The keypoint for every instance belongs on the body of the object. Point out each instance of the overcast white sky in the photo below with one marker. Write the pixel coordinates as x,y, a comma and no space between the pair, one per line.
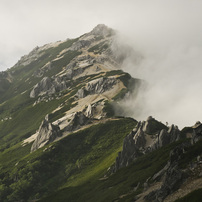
167,32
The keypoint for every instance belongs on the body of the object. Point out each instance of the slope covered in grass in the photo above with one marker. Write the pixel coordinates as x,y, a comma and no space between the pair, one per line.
74,160
118,186
22,75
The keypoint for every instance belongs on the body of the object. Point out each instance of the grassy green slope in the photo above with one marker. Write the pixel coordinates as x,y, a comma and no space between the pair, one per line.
22,75
25,119
119,185
76,159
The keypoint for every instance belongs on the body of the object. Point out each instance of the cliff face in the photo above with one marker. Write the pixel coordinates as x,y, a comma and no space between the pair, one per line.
46,134
178,172
146,137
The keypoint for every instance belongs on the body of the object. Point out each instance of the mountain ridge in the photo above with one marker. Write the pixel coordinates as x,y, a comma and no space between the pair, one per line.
61,136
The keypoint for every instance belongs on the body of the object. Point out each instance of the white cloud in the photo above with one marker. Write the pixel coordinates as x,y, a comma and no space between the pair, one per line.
172,52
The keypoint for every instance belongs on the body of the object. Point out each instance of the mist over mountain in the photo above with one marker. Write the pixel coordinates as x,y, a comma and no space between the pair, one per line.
70,123
171,69
100,101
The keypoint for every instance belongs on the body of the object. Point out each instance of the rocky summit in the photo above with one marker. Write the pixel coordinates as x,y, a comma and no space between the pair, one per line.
63,139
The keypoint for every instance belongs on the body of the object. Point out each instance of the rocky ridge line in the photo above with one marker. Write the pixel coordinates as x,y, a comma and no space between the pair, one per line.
143,139
172,176
93,63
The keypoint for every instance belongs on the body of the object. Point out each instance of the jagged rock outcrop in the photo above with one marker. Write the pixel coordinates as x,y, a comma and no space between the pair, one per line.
43,86
146,136
139,138
89,111
96,86
27,59
71,73
165,137
132,145
174,177
78,120
102,30
197,132
171,174
148,125
41,71
35,54
81,93
95,110
48,86
47,133
174,133
80,44
100,85
127,155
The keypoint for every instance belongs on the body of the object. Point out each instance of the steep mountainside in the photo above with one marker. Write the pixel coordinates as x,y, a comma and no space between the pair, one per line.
74,78
60,139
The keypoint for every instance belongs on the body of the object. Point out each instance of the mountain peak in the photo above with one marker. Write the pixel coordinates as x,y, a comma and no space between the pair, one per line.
102,29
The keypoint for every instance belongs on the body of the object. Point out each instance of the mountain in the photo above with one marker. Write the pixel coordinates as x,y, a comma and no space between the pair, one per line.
62,139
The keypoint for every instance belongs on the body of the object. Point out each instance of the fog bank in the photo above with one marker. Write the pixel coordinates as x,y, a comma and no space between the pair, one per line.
168,36
172,73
